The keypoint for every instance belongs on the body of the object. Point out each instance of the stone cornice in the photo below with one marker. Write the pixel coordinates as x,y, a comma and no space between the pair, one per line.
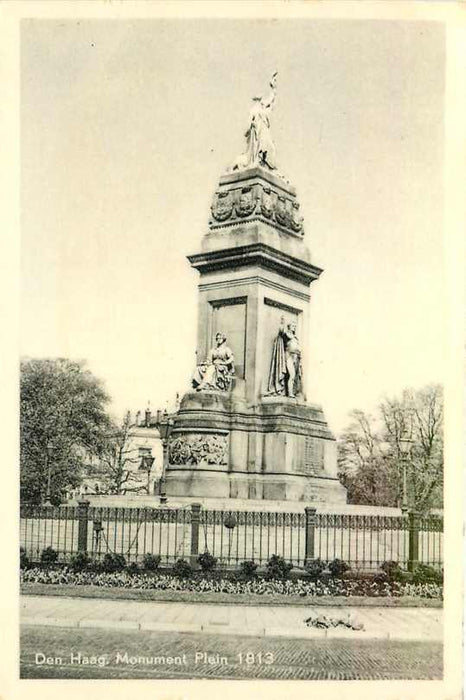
256,254
255,279
260,173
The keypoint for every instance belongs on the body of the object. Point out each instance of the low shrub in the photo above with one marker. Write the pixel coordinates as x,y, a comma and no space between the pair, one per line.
247,569
80,561
392,570
314,568
278,568
206,561
49,556
220,584
133,568
337,568
427,574
23,558
151,562
113,562
182,569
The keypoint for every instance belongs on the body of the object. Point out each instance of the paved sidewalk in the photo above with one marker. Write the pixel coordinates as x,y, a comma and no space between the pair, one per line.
423,624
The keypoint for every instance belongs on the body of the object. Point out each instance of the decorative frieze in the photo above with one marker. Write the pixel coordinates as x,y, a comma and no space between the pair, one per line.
256,201
197,449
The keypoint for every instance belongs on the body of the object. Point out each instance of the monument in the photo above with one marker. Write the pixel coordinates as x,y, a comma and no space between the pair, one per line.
245,429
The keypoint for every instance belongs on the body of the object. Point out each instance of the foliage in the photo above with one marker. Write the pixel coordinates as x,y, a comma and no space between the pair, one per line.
23,558
427,574
63,406
132,568
248,569
371,459
80,561
206,561
348,620
113,562
49,556
151,562
392,570
202,583
314,567
182,569
337,568
277,567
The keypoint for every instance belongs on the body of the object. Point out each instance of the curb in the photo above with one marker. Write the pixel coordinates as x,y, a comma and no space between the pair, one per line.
292,633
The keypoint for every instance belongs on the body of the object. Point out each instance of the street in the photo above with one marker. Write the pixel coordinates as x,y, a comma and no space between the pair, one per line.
115,653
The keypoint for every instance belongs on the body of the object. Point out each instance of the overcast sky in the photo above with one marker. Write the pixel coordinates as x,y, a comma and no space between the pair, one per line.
127,126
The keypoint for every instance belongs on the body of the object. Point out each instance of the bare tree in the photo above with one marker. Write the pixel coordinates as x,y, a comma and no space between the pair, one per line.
418,415
118,462
362,464
370,454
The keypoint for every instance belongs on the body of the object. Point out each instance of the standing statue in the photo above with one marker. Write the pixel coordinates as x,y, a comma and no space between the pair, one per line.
260,148
217,372
285,378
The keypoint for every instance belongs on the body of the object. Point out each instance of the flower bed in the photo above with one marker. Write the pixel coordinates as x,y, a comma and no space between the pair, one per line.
202,583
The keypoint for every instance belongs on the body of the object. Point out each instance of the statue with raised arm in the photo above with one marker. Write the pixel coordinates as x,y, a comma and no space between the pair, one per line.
285,377
217,372
260,149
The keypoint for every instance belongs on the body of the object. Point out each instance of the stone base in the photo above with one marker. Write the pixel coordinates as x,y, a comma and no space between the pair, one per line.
279,450
257,487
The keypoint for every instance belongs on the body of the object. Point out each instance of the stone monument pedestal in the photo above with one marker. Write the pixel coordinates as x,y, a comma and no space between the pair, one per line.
256,437
279,450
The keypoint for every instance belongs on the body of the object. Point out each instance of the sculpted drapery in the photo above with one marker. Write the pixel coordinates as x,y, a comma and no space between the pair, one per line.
260,148
285,376
217,372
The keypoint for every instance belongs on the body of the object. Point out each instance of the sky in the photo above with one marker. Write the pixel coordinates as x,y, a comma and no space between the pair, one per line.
126,127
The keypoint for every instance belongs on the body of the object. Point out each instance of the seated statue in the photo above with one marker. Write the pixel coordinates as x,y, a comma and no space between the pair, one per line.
285,377
217,372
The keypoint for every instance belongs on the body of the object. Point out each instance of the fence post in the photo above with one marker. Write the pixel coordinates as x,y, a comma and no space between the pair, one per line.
83,510
195,517
310,533
413,554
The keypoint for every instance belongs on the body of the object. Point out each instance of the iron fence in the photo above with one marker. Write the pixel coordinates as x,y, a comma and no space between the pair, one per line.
363,541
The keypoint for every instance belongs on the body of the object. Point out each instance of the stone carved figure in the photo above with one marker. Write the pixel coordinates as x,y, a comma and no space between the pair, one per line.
296,222
260,148
222,207
285,377
195,449
217,372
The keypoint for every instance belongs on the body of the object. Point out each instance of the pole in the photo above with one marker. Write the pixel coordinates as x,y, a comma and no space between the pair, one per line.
49,476
163,493
404,504
195,517
83,510
310,533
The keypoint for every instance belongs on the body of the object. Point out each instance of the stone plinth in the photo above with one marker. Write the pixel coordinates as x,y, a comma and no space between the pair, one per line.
279,450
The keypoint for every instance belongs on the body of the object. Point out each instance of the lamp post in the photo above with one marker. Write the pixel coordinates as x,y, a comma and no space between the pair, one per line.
146,463
49,450
165,441
405,448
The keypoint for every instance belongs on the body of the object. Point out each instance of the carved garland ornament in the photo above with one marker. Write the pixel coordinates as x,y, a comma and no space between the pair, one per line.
198,449
257,200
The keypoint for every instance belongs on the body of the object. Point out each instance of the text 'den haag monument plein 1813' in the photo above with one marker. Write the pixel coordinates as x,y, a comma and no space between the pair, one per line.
245,429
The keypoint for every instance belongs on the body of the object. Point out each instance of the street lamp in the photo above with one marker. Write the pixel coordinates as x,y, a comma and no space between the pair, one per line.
165,441
49,450
405,448
146,463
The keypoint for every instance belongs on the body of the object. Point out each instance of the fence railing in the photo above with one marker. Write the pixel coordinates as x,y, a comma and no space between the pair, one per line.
363,541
